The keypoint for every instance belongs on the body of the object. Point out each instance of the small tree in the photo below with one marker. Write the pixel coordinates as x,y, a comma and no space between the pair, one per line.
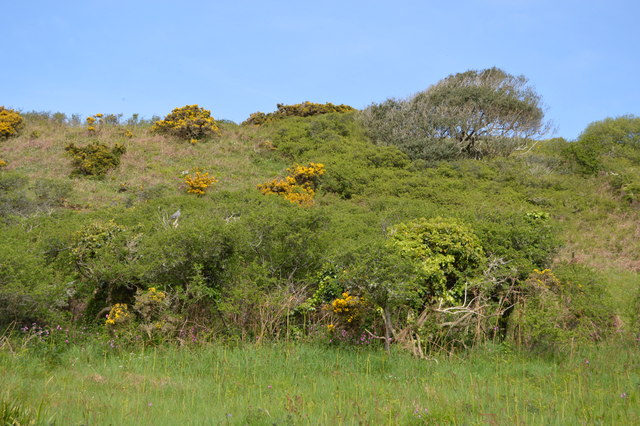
470,114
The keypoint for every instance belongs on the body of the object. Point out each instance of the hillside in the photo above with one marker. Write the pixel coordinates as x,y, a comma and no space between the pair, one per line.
303,235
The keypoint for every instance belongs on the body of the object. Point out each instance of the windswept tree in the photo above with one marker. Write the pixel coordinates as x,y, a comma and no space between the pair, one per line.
470,114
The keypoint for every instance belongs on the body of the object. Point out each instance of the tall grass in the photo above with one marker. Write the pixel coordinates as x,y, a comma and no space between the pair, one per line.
308,383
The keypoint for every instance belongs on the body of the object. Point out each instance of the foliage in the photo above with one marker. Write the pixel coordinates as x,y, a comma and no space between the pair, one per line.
557,310
449,253
603,141
11,122
305,109
471,114
199,182
94,159
299,186
188,122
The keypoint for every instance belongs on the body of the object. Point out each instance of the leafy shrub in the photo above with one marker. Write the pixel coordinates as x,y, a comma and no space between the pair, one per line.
11,122
199,182
299,186
556,310
449,253
188,122
305,109
95,159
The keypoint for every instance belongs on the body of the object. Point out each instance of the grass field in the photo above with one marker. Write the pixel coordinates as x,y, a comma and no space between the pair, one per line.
314,384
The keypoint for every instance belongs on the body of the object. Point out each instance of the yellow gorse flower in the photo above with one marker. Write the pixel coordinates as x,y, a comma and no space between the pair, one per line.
119,314
299,186
199,182
10,122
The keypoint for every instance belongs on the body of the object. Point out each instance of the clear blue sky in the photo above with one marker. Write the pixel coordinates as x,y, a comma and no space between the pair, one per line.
238,57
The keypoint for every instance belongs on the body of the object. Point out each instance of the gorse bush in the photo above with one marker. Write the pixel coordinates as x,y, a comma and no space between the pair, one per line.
11,122
198,182
299,186
95,159
188,122
305,109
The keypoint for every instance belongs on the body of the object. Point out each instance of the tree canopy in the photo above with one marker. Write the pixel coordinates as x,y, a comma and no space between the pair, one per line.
470,114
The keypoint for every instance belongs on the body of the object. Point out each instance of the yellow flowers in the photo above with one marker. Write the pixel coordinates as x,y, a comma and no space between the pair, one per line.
349,308
189,122
2,163
299,186
305,109
199,182
156,295
93,121
11,122
118,315
544,278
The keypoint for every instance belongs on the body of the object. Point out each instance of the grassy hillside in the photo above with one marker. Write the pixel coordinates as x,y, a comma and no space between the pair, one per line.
524,260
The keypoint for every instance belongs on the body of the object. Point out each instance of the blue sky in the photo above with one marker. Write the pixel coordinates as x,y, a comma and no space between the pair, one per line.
235,58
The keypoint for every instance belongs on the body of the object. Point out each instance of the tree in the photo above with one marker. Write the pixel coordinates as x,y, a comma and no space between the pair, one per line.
470,114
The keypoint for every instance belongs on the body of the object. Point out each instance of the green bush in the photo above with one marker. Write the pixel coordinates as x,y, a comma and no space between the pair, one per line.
557,310
449,254
95,159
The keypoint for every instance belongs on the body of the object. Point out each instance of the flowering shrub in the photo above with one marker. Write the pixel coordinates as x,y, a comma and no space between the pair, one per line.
2,163
349,309
299,186
154,309
118,315
94,122
95,159
305,109
199,182
188,122
11,122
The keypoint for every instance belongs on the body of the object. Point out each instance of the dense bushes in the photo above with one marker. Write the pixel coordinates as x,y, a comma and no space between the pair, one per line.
556,311
305,109
189,122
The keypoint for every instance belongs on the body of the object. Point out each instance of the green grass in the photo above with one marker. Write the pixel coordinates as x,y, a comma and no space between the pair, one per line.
312,384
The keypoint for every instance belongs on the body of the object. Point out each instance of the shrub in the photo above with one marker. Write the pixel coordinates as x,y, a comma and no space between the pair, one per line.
188,122
11,122
305,109
558,308
2,163
199,182
299,186
449,253
95,159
